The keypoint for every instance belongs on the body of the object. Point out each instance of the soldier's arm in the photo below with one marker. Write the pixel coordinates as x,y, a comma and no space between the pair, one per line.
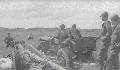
78,33
103,33
109,29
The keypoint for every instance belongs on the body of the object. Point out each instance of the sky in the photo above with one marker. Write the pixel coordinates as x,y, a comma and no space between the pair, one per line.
51,13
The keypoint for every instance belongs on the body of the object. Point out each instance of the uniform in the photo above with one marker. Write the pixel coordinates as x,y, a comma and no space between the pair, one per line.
113,58
106,33
9,41
63,37
75,37
75,34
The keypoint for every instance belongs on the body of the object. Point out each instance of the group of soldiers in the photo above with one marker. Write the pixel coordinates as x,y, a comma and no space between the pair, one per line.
64,35
109,55
110,36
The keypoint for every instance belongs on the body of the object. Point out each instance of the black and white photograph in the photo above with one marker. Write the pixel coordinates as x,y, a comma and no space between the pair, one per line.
59,34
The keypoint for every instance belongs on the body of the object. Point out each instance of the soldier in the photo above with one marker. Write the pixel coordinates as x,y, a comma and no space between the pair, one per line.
113,58
75,37
10,45
75,34
9,41
62,36
105,36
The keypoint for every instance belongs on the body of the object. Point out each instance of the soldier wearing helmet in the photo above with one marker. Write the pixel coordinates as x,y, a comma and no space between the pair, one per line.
9,41
114,50
75,37
62,36
105,36
64,43
75,34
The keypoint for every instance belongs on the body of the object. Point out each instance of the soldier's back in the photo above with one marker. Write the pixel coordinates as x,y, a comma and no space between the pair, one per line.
75,34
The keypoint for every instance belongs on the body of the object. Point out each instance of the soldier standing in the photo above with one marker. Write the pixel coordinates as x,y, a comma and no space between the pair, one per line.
113,57
105,36
9,41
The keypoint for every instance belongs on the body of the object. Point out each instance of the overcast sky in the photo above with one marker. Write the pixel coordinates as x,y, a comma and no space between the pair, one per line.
52,13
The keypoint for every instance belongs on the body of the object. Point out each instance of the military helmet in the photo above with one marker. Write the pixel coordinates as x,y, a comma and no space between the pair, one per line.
104,14
115,18
74,26
62,26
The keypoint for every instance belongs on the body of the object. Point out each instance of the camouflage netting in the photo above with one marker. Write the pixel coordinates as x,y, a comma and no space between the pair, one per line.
37,60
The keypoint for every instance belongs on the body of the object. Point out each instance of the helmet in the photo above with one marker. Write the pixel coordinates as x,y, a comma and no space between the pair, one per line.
74,26
62,26
104,14
115,18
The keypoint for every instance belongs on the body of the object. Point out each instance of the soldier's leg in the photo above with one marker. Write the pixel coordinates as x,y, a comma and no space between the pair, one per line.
113,62
105,54
103,59
101,65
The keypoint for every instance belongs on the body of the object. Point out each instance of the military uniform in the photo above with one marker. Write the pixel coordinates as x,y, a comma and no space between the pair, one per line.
113,58
63,37
75,34
106,33
9,41
75,37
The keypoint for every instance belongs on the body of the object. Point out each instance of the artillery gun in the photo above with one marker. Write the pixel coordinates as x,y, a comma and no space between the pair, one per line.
67,57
